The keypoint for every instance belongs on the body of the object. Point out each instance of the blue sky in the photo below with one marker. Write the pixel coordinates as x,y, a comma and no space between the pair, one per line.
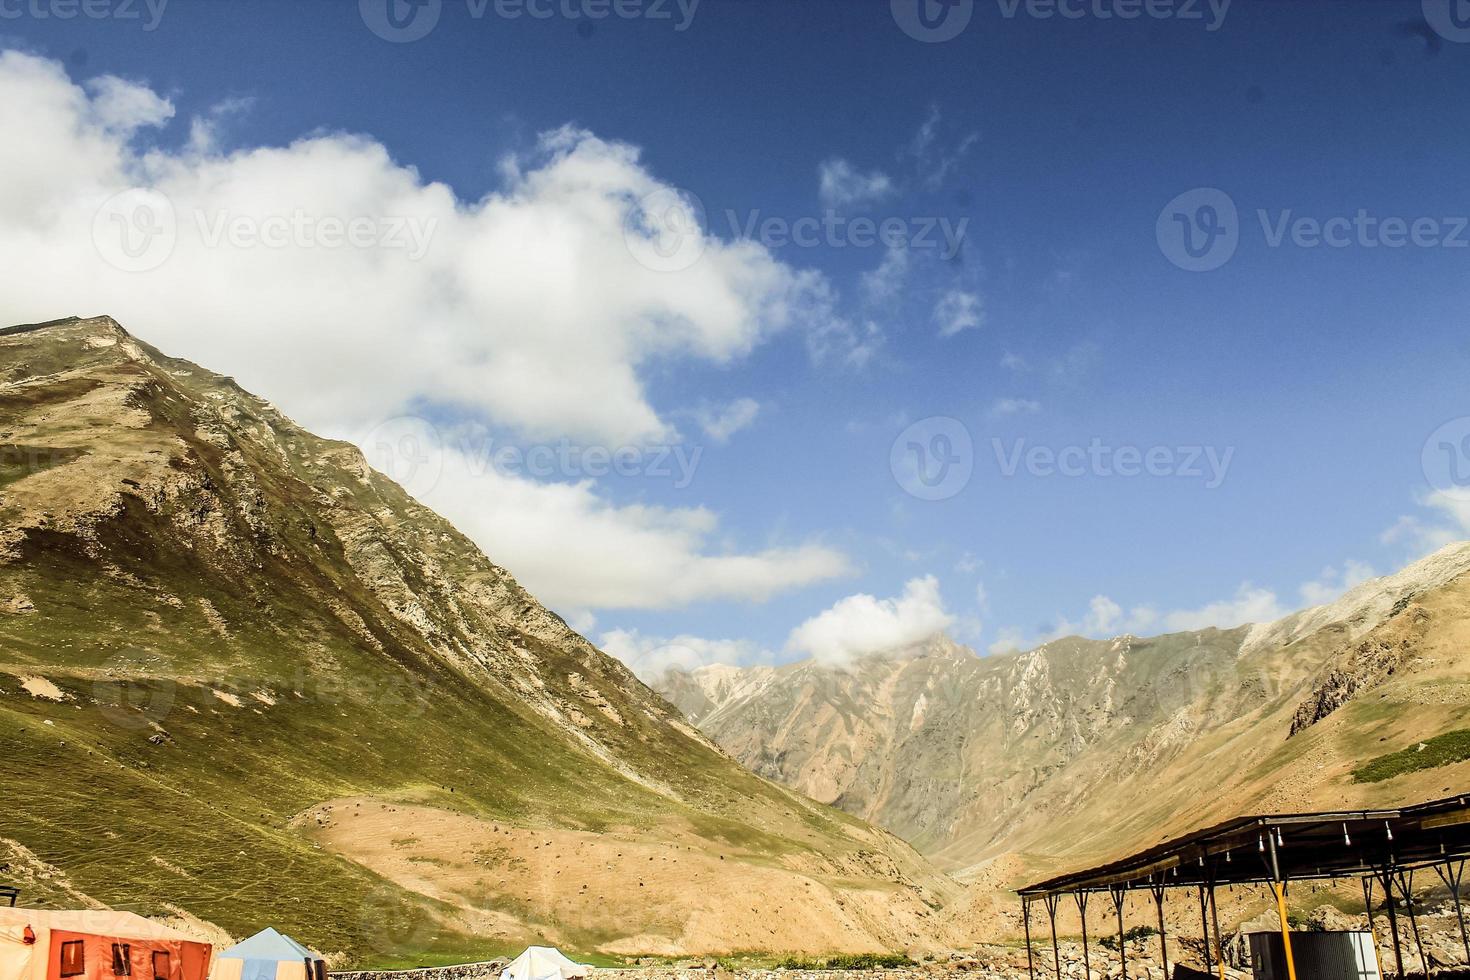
1054,144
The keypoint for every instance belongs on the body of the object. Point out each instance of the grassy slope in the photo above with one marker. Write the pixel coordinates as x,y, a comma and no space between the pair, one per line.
225,565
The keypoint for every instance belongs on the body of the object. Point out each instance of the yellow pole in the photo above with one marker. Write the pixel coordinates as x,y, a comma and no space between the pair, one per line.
1215,919
1280,889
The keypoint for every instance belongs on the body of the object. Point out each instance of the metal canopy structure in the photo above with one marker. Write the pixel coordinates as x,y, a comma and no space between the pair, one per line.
1380,847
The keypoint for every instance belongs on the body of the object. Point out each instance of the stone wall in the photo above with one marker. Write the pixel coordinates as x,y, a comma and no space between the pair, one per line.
460,971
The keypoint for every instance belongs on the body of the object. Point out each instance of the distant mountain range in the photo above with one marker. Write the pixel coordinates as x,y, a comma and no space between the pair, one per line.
245,680
1084,749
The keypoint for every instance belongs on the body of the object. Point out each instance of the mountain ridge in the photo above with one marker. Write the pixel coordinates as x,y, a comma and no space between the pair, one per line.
1001,748
222,638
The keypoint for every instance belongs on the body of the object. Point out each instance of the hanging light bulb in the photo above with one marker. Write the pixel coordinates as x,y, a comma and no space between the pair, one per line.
1389,829
1227,857
1261,843
1346,840
1279,841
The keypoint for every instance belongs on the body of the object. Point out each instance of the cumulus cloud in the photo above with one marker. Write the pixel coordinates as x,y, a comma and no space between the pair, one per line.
571,547
535,310
1447,520
863,625
528,306
883,283
123,107
1007,640
723,421
958,310
1250,604
651,657
840,184
1333,582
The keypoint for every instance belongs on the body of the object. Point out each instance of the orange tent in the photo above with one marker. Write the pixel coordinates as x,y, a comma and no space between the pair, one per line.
96,944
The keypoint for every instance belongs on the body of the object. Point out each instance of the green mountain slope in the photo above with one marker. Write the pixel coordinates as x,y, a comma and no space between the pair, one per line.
223,640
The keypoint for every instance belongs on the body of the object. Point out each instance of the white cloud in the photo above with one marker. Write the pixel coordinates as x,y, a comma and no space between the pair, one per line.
651,657
1013,362
1448,521
958,310
722,422
528,307
573,549
1106,618
1333,582
862,625
1007,640
840,184
883,283
1250,604
1015,406
123,107
527,311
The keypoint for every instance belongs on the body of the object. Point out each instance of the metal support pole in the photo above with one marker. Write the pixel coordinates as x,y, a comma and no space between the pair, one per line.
1204,930
1026,920
1368,910
1215,920
1081,899
1453,877
1158,891
1386,878
1278,885
1406,886
1119,894
1051,913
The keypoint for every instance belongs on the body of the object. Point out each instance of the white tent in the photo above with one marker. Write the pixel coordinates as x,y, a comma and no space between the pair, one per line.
543,963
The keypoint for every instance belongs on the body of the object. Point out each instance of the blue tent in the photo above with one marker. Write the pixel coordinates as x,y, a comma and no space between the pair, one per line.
268,955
